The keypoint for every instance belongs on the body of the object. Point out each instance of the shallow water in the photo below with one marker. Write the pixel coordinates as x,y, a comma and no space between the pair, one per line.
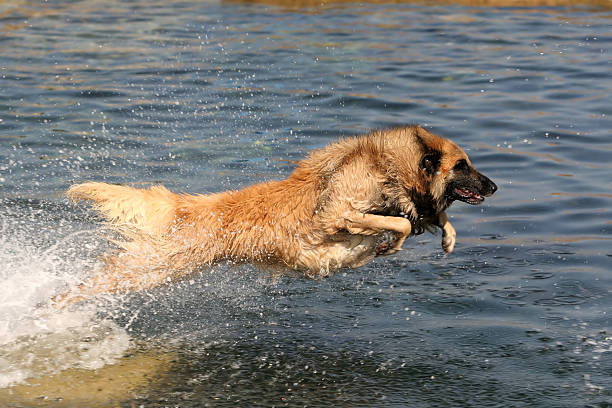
209,96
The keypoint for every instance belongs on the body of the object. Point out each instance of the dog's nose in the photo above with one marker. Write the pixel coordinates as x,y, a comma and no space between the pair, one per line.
488,187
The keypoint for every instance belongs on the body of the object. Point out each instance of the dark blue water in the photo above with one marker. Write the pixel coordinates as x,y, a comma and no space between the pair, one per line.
204,97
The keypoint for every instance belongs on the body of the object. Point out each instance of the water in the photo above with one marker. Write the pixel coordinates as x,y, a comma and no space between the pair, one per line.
207,96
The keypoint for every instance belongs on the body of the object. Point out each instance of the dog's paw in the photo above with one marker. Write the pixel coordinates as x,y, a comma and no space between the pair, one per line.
386,244
448,241
383,248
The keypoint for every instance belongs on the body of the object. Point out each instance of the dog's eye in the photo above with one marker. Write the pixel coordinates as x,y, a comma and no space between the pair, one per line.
461,165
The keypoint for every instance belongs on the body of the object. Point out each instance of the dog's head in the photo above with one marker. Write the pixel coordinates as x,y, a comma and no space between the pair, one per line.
449,173
427,172
466,184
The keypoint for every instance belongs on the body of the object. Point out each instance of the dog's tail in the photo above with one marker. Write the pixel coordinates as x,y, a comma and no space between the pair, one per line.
147,210
142,218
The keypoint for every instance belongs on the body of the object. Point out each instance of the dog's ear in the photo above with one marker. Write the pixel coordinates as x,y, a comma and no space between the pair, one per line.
430,162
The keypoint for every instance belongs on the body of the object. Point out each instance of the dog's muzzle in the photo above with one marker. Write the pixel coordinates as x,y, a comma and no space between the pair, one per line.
471,188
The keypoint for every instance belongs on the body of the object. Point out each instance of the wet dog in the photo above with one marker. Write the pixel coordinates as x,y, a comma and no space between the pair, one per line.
341,207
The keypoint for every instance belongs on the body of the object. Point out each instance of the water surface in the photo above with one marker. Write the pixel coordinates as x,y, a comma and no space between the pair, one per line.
207,96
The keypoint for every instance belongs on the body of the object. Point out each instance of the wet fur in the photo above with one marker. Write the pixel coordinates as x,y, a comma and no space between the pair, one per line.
342,206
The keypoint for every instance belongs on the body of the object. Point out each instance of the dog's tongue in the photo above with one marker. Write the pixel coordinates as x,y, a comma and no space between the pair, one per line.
464,192
468,194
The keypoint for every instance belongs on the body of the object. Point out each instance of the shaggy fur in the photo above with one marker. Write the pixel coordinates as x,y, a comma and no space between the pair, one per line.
342,206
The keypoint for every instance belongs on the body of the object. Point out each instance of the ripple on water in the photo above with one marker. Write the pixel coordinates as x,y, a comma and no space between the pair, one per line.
447,306
99,93
538,275
537,251
515,296
561,300
487,268
569,293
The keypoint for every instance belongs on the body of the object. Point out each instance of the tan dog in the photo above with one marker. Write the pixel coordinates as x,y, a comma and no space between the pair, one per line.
341,207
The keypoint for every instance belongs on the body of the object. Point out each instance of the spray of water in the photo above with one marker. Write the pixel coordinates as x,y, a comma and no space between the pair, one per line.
39,259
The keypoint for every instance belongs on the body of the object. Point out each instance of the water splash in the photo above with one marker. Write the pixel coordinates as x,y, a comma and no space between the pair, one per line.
40,259
56,341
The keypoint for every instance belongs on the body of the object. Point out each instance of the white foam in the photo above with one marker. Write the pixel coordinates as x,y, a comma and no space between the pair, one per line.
59,340
38,261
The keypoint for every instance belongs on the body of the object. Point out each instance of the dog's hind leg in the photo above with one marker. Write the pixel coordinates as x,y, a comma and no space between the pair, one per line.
121,273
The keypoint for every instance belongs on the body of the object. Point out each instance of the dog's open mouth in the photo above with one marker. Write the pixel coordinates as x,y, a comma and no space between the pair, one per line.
467,195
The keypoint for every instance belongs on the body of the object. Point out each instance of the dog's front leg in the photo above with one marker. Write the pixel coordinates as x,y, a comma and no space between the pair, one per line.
449,234
372,224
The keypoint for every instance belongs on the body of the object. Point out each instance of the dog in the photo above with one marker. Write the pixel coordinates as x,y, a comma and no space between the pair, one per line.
341,207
